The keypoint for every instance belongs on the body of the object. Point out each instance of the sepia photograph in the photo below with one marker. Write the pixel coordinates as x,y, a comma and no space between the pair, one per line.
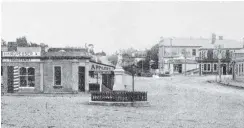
122,64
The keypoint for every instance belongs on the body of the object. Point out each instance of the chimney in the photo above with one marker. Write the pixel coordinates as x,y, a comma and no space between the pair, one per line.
221,37
213,38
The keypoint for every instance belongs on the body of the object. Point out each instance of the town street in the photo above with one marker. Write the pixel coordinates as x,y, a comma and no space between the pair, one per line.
178,101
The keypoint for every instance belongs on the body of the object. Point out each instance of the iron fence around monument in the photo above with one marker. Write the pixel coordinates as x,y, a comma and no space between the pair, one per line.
119,96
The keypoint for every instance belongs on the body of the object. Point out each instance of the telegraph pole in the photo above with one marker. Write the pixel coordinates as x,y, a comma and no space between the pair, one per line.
219,61
171,58
185,65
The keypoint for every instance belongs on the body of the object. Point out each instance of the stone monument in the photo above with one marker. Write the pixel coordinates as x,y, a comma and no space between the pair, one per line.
118,74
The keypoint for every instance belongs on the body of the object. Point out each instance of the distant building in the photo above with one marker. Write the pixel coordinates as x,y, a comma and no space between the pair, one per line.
208,56
238,65
131,57
179,55
175,52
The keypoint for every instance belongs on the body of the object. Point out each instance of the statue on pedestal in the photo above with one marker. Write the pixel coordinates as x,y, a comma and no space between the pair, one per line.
119,61
119,72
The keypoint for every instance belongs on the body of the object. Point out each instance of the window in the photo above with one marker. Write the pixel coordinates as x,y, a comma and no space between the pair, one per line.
215,67
27,77
242,68
91,74
194,52
205,67
1,70
209,67
239,68
57,75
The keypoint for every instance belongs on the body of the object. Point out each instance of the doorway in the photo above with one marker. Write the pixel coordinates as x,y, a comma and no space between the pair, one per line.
10,83
81,78
224,69
180,68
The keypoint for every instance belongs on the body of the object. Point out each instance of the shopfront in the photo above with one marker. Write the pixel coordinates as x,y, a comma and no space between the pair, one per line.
53,72
21,71
101,76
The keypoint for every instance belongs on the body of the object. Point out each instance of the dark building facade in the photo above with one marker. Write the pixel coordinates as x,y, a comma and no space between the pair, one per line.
238,65
208,61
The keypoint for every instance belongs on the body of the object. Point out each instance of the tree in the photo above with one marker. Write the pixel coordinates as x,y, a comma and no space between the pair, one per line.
22,42
3,42
113,59
34,44
154,56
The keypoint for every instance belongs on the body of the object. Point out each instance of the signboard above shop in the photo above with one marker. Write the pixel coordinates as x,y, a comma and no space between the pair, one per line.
99,68
21,54
21,60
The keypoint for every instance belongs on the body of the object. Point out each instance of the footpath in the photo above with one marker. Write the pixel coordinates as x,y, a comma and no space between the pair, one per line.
233,83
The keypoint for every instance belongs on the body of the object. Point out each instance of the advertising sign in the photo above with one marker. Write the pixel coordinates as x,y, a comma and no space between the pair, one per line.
21,54
21,60
101,68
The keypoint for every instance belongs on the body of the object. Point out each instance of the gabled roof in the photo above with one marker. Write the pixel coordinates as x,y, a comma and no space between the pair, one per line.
67,49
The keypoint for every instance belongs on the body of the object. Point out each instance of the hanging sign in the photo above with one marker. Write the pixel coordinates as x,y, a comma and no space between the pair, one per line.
21,54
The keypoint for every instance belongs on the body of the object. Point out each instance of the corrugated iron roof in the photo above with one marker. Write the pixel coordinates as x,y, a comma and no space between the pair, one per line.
66,54
201,42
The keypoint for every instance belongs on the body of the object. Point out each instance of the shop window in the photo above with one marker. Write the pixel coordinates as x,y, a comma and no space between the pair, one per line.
27,77
194,52
57,75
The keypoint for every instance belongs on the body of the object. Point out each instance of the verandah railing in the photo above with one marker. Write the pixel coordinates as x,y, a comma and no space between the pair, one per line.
119,96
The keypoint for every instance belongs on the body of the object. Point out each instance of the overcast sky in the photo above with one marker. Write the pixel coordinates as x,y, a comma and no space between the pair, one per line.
114,25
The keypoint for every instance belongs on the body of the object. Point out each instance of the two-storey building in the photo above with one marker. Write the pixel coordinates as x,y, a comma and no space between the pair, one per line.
177,55
209,56
238,65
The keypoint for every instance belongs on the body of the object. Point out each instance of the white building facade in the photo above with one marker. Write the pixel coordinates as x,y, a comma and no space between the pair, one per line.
178,55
